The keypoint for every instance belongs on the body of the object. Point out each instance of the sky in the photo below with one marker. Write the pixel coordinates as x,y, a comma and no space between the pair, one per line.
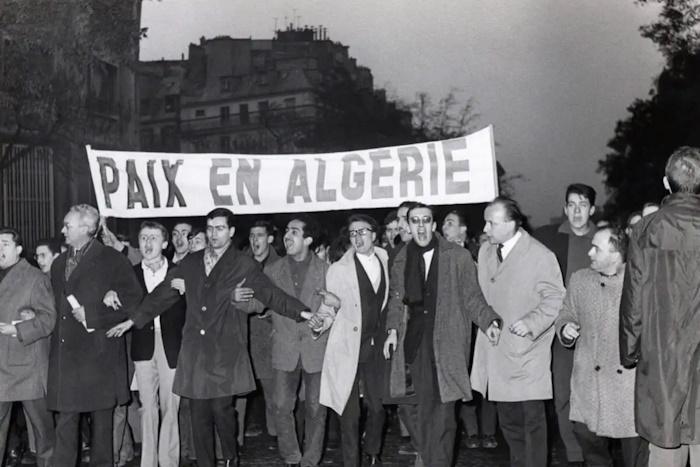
551,76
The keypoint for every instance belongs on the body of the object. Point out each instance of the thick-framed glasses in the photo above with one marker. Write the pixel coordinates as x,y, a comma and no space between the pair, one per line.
362,232
425,220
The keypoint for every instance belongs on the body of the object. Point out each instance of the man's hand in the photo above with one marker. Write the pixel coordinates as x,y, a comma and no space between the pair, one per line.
329,299
79,314
120,329
493,333
27,315
316,322
265,313
7,329
392,340
519,328
241,294
570,331
179,285
112,299
306,315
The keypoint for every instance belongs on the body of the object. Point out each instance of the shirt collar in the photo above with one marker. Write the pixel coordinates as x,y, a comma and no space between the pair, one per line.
510,244
164,265
565,228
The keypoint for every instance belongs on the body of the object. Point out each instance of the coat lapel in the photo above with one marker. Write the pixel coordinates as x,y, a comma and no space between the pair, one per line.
284,277
517,252
384,260
314,277
90,257
13,277
350,271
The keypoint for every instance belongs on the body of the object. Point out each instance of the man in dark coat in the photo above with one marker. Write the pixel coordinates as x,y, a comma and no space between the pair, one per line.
27,318
660,317
88,371
214,364
570,243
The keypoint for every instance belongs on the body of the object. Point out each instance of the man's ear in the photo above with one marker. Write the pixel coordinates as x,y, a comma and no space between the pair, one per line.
667,185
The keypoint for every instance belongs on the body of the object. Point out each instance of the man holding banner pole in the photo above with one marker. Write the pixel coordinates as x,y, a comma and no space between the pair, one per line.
214,364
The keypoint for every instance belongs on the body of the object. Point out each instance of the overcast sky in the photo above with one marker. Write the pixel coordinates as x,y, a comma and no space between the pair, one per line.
552,76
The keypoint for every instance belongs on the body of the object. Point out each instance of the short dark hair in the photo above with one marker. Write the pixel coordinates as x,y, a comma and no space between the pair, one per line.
407,204
683,170
363,218
222,212
267,225
512,209
650,204
421,205
391,217
582,190
618,239
53,244
339,246
157,226
311,227
196,231
460,216
16,237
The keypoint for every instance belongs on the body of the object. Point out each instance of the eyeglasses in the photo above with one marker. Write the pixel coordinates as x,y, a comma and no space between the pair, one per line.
425,220
362,232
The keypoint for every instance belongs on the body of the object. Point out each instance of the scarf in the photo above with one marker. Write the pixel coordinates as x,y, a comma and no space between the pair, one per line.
414,274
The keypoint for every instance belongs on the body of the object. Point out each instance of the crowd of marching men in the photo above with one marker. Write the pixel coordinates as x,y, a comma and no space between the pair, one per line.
599,318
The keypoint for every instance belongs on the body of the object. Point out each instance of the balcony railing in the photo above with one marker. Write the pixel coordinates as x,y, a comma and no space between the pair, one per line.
271,117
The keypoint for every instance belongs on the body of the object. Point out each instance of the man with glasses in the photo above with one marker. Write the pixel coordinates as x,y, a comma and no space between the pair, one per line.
435,282
360,279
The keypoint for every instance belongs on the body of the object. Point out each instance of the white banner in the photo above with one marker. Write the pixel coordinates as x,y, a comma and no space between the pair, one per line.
149,184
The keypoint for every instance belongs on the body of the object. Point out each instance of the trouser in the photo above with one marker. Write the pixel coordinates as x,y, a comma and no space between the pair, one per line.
471,420
40,420
372,380
562,366
286,385
213,414
186,435
408,414
674,457
268,395
437,420
67,438
524,426
159,409
596,449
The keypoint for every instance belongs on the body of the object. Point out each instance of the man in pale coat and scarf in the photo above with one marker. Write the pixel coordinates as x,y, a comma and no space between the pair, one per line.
435,282
602,390
522,281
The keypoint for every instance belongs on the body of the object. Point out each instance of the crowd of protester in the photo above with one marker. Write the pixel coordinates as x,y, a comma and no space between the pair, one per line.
188,345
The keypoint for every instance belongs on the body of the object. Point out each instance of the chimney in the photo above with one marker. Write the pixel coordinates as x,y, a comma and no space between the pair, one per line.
201,40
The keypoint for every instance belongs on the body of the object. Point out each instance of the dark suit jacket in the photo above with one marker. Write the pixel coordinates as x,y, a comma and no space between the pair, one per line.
171,323
88,371
558,242
214,360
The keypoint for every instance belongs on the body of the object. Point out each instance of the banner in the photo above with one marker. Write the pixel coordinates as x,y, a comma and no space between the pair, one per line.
149,184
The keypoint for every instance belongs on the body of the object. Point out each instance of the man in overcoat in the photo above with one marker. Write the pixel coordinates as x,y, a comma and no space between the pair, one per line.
27,318
88,371
354,352
522,281
660,317
434,281
602,390
214,363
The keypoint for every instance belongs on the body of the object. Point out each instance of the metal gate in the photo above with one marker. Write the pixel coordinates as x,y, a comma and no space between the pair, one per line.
27,194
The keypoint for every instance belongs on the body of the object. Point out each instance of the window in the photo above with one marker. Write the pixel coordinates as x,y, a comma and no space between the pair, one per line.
200,113
171,103
224,143
104,87
243,112
225,114
225,84
168,139
263,108
146,139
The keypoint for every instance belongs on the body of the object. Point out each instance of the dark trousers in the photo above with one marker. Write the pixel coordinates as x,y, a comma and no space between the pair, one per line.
68,439
408,413
41,421
562,367
286,386
596,449
487,414
372,380
524,426
437,420
210,414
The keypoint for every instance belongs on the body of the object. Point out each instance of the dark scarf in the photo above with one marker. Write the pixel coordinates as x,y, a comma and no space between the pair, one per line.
414,274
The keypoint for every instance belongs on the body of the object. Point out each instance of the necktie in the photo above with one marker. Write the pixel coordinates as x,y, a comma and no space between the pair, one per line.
499,253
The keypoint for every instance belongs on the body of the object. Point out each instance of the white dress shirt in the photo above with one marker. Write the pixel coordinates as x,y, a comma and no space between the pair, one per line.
372,267
152,279
510,244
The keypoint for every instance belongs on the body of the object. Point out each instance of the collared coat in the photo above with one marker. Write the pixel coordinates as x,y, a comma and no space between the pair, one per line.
88,371
214,359
660,321
602,390
344,339
527,285
293,340
261,336
459,304
24,359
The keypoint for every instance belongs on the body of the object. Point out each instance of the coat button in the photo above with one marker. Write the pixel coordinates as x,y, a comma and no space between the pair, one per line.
62,341
64,317
204,308
355,328
493,280
619,372
425,312
597,368
202,332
